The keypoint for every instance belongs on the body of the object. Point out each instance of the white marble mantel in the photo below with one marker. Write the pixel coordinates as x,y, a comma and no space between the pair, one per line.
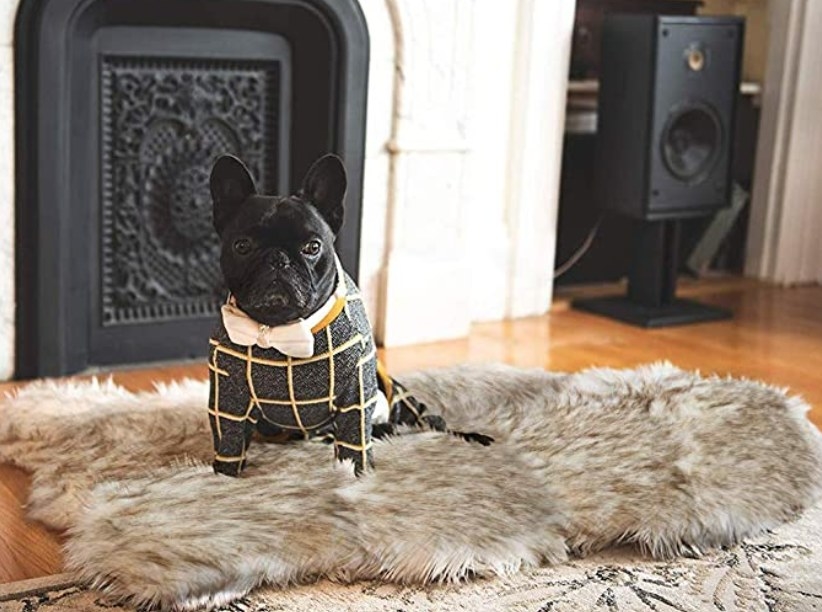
463,161
465,121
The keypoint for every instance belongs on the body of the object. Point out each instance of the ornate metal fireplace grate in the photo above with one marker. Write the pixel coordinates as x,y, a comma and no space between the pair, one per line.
163,124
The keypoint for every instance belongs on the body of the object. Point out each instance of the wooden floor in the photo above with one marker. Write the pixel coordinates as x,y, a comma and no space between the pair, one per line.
776,336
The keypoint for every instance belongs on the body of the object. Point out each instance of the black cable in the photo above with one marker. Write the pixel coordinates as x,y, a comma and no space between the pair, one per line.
580,252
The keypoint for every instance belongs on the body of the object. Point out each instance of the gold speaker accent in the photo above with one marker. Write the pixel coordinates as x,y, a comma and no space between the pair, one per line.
695,58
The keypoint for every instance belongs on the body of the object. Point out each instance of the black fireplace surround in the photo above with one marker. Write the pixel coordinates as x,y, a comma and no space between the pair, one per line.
121,108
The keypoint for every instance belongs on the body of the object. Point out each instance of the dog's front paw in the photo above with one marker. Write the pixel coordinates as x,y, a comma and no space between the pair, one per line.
228,468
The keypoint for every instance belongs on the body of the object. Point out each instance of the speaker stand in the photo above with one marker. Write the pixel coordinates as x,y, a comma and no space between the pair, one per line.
651,299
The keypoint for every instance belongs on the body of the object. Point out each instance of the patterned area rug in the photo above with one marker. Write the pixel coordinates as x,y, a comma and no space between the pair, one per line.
777,572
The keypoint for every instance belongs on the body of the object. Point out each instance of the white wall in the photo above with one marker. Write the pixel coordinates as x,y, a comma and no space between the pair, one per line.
7,303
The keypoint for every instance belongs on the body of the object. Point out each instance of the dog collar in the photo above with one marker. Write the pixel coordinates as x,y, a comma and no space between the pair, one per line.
295,339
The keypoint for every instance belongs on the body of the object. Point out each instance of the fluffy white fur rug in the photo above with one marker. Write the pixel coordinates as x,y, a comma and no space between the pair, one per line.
662,458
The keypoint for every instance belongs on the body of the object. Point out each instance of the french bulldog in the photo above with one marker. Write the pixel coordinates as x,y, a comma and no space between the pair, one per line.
293,351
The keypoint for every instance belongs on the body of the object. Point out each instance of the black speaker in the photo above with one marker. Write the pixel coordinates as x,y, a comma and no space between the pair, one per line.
668,88
668,91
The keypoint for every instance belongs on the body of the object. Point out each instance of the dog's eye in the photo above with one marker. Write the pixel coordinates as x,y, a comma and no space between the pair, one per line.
242,246
311,247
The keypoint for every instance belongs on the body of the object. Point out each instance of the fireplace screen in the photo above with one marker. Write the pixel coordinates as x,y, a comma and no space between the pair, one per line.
122,108
163,125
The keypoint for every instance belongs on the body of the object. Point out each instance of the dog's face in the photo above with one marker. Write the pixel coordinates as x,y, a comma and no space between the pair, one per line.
277,253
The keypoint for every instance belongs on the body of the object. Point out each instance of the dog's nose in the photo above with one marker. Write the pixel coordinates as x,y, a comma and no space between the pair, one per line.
279,259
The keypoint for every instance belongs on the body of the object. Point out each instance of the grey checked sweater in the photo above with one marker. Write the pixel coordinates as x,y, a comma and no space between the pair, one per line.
333,391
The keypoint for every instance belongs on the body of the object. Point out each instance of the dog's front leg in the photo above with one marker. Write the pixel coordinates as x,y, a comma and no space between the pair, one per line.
230,452
232,414
355,405
352,437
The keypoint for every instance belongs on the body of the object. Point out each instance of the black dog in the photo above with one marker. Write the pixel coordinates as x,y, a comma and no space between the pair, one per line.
294,350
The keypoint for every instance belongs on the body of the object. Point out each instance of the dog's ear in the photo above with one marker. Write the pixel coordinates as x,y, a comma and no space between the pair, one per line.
324,186
231,184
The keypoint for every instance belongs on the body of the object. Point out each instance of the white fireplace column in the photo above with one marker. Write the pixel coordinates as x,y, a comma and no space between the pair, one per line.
470,162
426,278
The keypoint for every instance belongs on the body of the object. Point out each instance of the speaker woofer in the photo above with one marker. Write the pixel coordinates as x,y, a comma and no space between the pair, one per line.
691,142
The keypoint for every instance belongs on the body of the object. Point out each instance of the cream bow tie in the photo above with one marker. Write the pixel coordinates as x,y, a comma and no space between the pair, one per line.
294,339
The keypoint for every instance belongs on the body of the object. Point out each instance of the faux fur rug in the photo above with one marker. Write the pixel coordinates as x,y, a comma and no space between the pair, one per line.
780,571
655,456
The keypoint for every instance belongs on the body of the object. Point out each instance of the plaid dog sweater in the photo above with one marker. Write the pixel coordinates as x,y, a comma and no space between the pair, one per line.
332,392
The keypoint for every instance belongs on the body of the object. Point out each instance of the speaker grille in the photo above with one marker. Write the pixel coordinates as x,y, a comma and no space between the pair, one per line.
691,142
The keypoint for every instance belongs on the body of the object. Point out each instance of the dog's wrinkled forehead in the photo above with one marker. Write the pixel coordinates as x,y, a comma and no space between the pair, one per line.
277,217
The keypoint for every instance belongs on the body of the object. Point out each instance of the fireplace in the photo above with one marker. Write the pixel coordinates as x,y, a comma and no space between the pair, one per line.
457,191
121,108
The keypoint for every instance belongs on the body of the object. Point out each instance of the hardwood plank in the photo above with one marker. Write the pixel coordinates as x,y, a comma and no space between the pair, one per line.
27,548
775,335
